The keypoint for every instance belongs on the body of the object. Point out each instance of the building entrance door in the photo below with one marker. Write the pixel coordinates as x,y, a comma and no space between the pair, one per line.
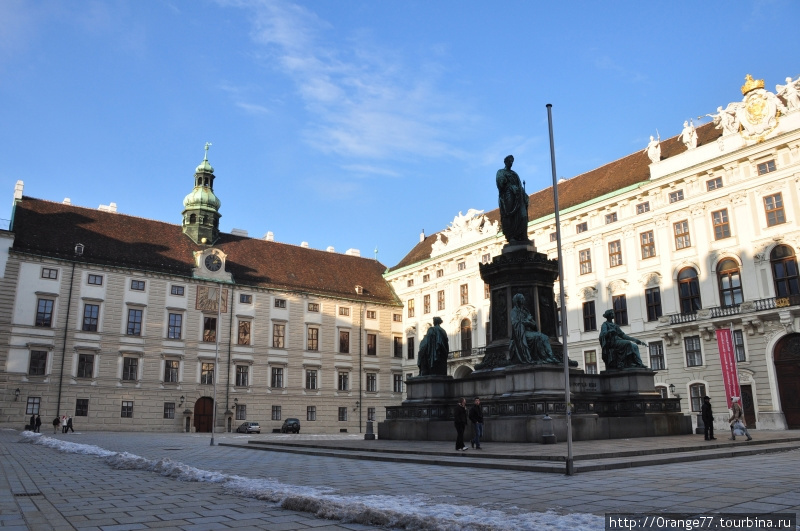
748,406
203,414
787,369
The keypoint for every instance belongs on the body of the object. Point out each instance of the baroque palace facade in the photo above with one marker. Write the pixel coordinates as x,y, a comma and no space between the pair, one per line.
696,233
126,323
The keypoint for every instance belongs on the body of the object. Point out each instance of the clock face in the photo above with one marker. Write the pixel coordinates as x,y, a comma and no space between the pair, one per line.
213,262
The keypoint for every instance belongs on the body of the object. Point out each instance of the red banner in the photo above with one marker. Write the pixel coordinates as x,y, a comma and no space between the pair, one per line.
727,359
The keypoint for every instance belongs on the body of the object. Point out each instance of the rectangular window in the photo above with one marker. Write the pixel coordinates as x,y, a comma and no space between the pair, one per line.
426,277
242,376
681,229
553,236
313,307
344,381
344,341
440,300
44,313
462,266
96,280
372,314
674,197
127,410
241,412
439,273
773,206
398,383
280,303
371,414
585,259
278,335
615,253
397,318
276,412
175,326
738,345
426,304
486,258
311,413
85,365
313,339
277,378
342,414
244,332
245,298
210,329
176,290
611,218
137,285
397,346
694,357
656,355
766,167
410,348
581,227
134,322
82,407
486,291
33,405
410,306
653,299
207,373
641,208
590,361
648,243
714,184
620,305
169,410
410,283
38,363
589,317
696,394
345,311
90,315
49,273
311,379
372,344
464,291
372,382
130,369
171,371
722,227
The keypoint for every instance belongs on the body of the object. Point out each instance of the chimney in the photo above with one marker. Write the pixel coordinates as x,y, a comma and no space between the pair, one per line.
67,201
422,235
304,245
330,249
353,252
270,237
239,232
18,190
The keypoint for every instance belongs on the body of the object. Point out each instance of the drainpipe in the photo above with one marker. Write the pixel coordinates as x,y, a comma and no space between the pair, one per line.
230,341
78,251
360,366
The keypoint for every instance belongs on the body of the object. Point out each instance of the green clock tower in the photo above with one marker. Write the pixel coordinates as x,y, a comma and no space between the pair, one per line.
201,207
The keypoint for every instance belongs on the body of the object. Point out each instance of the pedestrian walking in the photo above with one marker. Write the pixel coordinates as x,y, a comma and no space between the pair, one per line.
476,417
69,426
737,419
38,424
460,417
63,424
56,422
708,419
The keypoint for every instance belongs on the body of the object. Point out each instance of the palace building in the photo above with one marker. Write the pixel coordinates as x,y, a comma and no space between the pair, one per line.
695,233
126,323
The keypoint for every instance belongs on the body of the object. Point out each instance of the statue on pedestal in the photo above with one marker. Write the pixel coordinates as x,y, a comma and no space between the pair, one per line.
653,149
513,204
688,136
790,93
433,351
620,351
528,345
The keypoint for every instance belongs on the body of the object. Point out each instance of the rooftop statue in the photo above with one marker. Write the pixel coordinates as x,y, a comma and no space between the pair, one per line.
790,93
653,149
726,118
513,204
528,345
433,351
689,135
620,351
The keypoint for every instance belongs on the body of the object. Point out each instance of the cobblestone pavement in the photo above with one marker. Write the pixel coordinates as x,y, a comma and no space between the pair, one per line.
83,492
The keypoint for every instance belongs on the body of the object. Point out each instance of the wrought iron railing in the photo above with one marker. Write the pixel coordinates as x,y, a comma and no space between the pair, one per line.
456,354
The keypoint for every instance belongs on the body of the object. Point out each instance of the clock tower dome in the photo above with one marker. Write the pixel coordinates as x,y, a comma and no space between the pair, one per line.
201,207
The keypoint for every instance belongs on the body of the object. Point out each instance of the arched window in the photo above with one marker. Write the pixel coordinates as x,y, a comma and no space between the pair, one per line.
192,218
784,271
689,290
730,283
466,337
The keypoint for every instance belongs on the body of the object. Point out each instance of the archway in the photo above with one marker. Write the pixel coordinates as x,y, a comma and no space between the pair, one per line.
203,414
462,372
787,370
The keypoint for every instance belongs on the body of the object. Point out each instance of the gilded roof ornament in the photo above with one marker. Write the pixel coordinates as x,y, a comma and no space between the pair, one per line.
751,84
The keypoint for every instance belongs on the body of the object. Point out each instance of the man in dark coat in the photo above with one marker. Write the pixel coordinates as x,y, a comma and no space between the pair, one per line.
32,425
476,417
38,424
708,418
460,419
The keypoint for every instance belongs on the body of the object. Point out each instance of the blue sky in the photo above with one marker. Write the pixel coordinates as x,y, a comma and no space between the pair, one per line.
356,124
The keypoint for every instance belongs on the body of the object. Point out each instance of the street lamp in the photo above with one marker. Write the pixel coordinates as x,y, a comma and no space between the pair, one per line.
16,394
183,398
672,389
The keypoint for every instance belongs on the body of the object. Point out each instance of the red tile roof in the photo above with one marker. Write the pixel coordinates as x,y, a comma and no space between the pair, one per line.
53,229
629,170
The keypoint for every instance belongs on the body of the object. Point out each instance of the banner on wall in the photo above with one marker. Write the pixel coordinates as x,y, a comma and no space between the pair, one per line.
727,359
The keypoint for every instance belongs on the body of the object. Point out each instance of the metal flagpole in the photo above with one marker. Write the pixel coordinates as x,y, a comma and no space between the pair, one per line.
562,305
216,362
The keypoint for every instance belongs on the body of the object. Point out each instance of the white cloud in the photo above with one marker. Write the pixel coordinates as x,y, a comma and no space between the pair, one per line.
252,108
366,169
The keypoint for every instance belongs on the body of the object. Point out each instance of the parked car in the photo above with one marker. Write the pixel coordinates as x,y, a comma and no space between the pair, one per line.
290,425
249,427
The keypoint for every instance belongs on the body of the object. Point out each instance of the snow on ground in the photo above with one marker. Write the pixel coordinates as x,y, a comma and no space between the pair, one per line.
400,512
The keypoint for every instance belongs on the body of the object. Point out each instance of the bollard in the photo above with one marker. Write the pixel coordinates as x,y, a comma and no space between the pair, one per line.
369,436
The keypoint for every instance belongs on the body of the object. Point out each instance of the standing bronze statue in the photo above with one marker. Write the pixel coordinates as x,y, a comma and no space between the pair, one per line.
513,204
620,351
528,345
433,351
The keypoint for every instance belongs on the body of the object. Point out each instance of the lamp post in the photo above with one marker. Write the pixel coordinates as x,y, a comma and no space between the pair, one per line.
16,394
216,363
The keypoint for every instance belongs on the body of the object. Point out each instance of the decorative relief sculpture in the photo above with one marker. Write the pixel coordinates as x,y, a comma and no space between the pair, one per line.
513,201
620,351
726,119
689,135
790,93
528,345
465,228
758,112
433,351
653,149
